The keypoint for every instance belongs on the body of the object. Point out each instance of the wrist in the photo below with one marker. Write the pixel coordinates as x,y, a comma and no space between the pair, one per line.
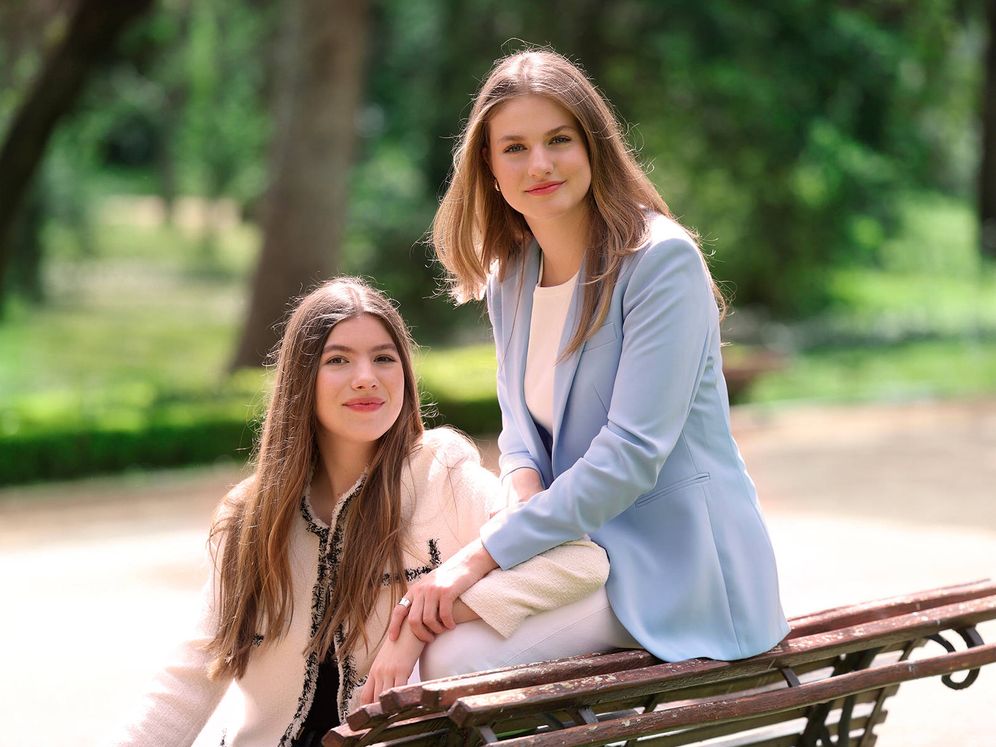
524,483
479,561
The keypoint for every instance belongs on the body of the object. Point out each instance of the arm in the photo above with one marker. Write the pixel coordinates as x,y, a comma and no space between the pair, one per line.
669,319
503,599
395,661
522,485
181,698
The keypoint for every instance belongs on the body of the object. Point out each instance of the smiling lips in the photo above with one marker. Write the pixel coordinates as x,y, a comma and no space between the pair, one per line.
365,404
544,189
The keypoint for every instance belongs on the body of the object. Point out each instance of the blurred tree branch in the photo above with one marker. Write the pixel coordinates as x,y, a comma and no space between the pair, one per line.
93,29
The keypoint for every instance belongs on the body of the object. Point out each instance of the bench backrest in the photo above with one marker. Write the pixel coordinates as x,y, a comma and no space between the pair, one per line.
833,673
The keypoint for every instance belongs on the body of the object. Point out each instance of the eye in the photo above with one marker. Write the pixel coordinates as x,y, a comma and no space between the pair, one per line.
559,139
514,148
335,360
385,358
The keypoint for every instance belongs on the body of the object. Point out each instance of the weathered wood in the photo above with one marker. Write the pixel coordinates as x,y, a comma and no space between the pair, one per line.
426,725
864,718
645,702
735,708
837,617
440,694
477,709
443,693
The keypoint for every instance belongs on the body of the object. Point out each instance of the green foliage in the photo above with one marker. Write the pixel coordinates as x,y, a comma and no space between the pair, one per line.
458,387
815,117
784,132
222,127
930,283
67,434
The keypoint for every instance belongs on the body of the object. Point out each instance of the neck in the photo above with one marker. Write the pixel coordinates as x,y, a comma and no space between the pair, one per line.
563,241
340,465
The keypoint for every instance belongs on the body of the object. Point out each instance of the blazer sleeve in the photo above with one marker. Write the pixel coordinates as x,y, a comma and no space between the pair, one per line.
514,453
669,320
181,697
559,576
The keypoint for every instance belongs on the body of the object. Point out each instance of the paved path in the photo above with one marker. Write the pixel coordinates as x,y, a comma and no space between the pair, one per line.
99,575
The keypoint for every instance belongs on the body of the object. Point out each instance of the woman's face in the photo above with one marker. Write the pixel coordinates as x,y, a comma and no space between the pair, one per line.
360,386
537,153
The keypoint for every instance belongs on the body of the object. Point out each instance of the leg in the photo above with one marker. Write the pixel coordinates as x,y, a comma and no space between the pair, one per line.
586,626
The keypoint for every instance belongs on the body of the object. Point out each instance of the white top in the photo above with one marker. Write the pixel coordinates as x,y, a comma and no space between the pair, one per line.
546,326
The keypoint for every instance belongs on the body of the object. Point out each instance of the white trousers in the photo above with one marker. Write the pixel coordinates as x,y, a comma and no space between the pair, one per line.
584,627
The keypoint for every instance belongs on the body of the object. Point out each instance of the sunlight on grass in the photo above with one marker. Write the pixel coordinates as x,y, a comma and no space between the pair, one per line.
462,373
932,369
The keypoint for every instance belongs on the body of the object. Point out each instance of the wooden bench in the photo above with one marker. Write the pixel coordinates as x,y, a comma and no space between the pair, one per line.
825,684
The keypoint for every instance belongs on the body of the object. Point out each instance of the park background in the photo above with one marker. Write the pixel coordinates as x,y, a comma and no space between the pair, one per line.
173,173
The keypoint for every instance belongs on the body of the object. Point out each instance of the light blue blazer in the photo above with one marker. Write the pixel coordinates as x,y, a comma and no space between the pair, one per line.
642,457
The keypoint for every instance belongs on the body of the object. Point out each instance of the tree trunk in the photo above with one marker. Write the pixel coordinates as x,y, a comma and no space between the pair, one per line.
93,30
987,176
319,80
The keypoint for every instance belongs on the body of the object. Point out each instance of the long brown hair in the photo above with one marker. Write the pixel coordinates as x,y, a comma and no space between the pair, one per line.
475,229
254,524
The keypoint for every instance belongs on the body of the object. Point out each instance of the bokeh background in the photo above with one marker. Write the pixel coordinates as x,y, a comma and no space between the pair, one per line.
173,173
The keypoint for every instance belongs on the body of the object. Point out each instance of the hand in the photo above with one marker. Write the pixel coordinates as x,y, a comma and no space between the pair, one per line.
392,666
432,599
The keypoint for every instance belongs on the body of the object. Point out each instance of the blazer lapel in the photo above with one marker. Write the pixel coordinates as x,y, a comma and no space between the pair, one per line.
563,376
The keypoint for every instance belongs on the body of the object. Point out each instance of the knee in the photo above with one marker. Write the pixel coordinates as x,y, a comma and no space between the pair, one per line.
459,651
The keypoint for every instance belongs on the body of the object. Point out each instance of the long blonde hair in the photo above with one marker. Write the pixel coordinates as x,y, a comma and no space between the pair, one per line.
254,524
475,230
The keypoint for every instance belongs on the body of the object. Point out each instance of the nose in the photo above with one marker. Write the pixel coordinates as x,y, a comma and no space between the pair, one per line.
364,376
540,163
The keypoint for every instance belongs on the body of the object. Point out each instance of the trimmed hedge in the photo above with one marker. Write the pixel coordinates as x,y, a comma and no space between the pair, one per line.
60,435
59,455
175,430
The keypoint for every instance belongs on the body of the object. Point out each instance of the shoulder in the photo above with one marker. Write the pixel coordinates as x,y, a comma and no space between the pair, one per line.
445,471
234,501
669,250
442,448
667,240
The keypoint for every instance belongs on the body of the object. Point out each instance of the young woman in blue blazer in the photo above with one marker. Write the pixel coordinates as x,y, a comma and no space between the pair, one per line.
615,415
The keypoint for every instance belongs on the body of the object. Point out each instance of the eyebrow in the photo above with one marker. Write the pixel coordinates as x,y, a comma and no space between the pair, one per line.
346,349
548,133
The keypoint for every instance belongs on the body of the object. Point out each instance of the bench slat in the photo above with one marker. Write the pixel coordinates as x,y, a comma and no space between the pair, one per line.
736,708
478,709
441,694
622,685
819,622
860,720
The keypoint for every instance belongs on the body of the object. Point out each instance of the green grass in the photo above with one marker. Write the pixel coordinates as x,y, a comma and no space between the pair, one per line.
918,370
460,373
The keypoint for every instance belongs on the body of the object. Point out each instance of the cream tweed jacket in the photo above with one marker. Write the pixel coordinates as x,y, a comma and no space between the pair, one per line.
447,495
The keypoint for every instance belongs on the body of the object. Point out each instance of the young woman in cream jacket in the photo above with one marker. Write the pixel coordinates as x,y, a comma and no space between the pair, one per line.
351,502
